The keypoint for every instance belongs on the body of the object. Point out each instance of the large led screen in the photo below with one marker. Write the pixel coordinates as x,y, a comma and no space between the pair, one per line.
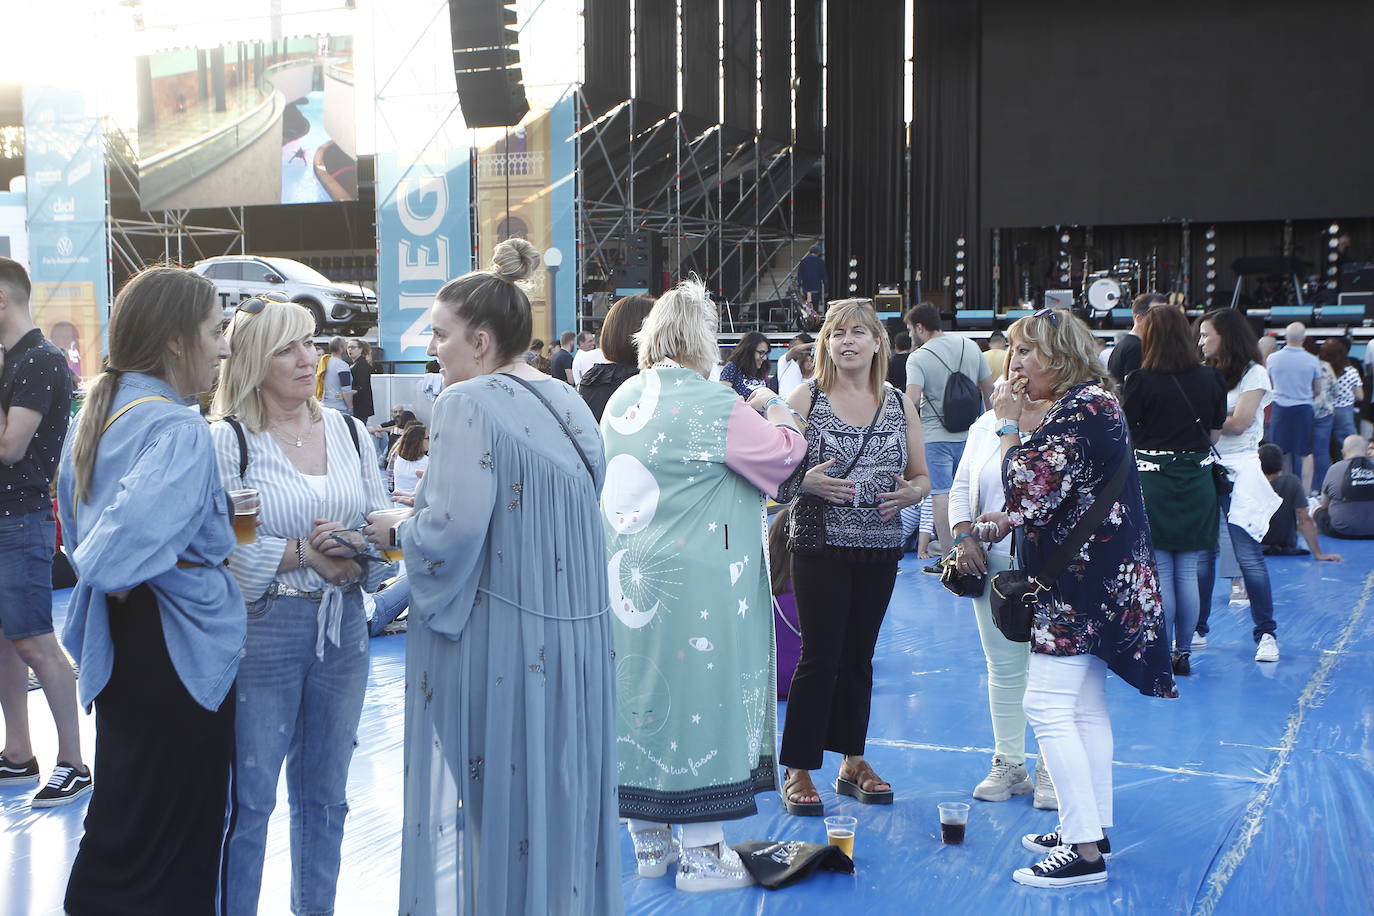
249,123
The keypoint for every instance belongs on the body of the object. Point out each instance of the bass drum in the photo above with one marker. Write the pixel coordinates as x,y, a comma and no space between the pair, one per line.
1104,294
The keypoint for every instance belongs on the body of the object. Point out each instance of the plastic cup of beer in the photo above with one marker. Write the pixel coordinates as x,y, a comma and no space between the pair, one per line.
953,822
245,515
839,831
391,518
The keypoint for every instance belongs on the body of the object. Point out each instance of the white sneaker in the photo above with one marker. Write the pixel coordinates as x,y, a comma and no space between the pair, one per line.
1238,594
1003,781
1268,649
1199,641
711,868
1045,797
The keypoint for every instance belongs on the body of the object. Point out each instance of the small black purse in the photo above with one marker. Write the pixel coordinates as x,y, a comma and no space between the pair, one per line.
1015,596
806,522
964,585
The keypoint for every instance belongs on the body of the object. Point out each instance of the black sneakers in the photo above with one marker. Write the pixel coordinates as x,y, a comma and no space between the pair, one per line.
13,772
1062,868
1045,843
65,785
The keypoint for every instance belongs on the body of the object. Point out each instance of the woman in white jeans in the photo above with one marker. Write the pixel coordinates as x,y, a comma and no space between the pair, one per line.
977,489
1104,610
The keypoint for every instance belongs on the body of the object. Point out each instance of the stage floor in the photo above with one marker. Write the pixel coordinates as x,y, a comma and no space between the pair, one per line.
1254,791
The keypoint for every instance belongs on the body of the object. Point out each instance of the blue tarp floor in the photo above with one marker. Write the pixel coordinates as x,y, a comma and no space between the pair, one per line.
1254,792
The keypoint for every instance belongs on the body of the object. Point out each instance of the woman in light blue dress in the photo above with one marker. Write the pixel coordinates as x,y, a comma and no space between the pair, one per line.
510,712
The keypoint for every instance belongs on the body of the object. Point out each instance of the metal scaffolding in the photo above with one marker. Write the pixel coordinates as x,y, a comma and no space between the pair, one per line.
723,201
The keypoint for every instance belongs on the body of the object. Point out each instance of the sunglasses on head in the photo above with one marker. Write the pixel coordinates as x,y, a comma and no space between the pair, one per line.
1049,313
255,304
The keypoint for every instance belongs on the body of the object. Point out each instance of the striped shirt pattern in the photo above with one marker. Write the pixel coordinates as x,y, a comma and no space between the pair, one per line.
290,505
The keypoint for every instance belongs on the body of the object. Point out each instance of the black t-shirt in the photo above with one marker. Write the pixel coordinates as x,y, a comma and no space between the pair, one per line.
362,389
1283,524
1125,358
562,365
37,377
1161,417
896,370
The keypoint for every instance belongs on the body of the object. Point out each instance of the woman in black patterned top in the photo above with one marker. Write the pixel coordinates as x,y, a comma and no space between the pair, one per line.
866,477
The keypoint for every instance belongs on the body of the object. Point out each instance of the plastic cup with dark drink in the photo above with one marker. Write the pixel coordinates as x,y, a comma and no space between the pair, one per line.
953,822
246,505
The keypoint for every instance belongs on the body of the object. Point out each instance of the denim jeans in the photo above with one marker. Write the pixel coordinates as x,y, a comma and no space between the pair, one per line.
390,602
1343,426
1322,430
1178,583
1250,558
1066,703
295,707
26,553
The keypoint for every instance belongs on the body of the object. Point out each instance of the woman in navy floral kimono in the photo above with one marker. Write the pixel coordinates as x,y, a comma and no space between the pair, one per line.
1105,610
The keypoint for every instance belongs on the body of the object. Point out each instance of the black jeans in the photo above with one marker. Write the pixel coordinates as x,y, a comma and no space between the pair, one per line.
840,607
155,828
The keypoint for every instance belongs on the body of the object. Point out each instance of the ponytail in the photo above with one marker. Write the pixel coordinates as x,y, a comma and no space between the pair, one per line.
90,424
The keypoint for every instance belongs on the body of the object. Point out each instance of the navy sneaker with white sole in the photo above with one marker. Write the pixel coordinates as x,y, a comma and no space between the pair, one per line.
12,772
1062,868
1046,843
65,785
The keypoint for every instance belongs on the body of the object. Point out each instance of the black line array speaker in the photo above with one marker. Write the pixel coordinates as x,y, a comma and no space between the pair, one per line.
486,62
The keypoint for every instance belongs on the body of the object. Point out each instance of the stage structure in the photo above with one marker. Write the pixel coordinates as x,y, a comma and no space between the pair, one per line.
729,193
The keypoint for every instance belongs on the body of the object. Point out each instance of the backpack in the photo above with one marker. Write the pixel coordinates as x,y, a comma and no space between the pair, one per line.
237,427
1358,486
962,401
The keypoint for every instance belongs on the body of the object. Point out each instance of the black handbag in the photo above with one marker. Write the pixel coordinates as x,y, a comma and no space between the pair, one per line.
1220,479
806,522
964,585
1015,595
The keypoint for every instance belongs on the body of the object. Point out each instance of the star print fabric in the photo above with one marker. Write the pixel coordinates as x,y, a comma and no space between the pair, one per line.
688,465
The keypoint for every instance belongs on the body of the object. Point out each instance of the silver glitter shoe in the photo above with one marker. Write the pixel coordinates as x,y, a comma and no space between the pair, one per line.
654,849
702,868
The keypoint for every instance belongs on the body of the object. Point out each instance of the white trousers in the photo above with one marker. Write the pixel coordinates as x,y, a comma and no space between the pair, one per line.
707,833
1066,703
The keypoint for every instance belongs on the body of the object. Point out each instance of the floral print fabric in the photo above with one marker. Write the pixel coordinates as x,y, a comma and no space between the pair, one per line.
1107,602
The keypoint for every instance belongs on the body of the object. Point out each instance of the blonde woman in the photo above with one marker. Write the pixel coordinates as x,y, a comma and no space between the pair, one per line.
866,461
1104,610
304,668
688,463
155,620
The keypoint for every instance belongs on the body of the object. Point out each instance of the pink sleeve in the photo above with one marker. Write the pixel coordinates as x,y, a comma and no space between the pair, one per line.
761,453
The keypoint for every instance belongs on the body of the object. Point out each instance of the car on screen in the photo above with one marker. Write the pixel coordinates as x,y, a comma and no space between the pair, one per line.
339,308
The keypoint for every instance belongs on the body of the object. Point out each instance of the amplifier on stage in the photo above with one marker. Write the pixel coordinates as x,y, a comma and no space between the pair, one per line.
888,301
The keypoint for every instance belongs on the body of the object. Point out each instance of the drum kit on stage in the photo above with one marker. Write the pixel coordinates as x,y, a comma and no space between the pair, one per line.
1105,290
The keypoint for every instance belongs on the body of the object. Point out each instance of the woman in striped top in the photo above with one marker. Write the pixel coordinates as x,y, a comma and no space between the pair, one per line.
304,666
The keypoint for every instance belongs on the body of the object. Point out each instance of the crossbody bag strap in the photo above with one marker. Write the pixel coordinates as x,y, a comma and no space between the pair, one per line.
948,372
571,438
868,433
130,406
1211,446
1085,526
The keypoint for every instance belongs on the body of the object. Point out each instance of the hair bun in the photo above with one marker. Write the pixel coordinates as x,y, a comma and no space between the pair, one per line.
514,260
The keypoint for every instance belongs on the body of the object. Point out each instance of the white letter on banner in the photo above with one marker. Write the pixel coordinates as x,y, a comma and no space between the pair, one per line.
422,186
419,260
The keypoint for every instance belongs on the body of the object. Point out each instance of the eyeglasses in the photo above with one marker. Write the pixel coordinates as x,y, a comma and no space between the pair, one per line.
1051,314
255,304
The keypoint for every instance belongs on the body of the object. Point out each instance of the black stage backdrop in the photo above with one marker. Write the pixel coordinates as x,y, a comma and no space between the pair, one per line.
865,190
1207,110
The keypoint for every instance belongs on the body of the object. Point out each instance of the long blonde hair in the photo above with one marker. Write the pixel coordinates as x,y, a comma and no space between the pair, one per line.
681,326
841,313
1067,349
157,306
253,340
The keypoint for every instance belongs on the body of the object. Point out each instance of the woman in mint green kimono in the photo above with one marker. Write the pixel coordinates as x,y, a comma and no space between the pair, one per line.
688,463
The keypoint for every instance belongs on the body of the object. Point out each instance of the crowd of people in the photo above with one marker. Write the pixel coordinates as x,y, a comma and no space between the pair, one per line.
589,574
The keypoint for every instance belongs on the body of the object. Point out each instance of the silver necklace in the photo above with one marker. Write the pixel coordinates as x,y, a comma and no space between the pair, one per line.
298,441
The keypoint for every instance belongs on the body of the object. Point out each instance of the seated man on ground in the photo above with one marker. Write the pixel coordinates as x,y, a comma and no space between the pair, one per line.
1291,516
1347,507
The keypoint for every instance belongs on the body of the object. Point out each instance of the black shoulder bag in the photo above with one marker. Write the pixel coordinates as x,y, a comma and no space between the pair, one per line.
1220,479
1015,595
806,522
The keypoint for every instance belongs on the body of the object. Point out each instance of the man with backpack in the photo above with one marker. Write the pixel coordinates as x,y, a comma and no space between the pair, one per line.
950,382
1347,507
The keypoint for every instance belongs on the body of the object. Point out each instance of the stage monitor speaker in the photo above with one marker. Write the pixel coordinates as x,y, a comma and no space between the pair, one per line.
486,63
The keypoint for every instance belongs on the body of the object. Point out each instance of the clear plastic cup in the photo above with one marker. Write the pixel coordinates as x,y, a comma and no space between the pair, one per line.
953,822
839,831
